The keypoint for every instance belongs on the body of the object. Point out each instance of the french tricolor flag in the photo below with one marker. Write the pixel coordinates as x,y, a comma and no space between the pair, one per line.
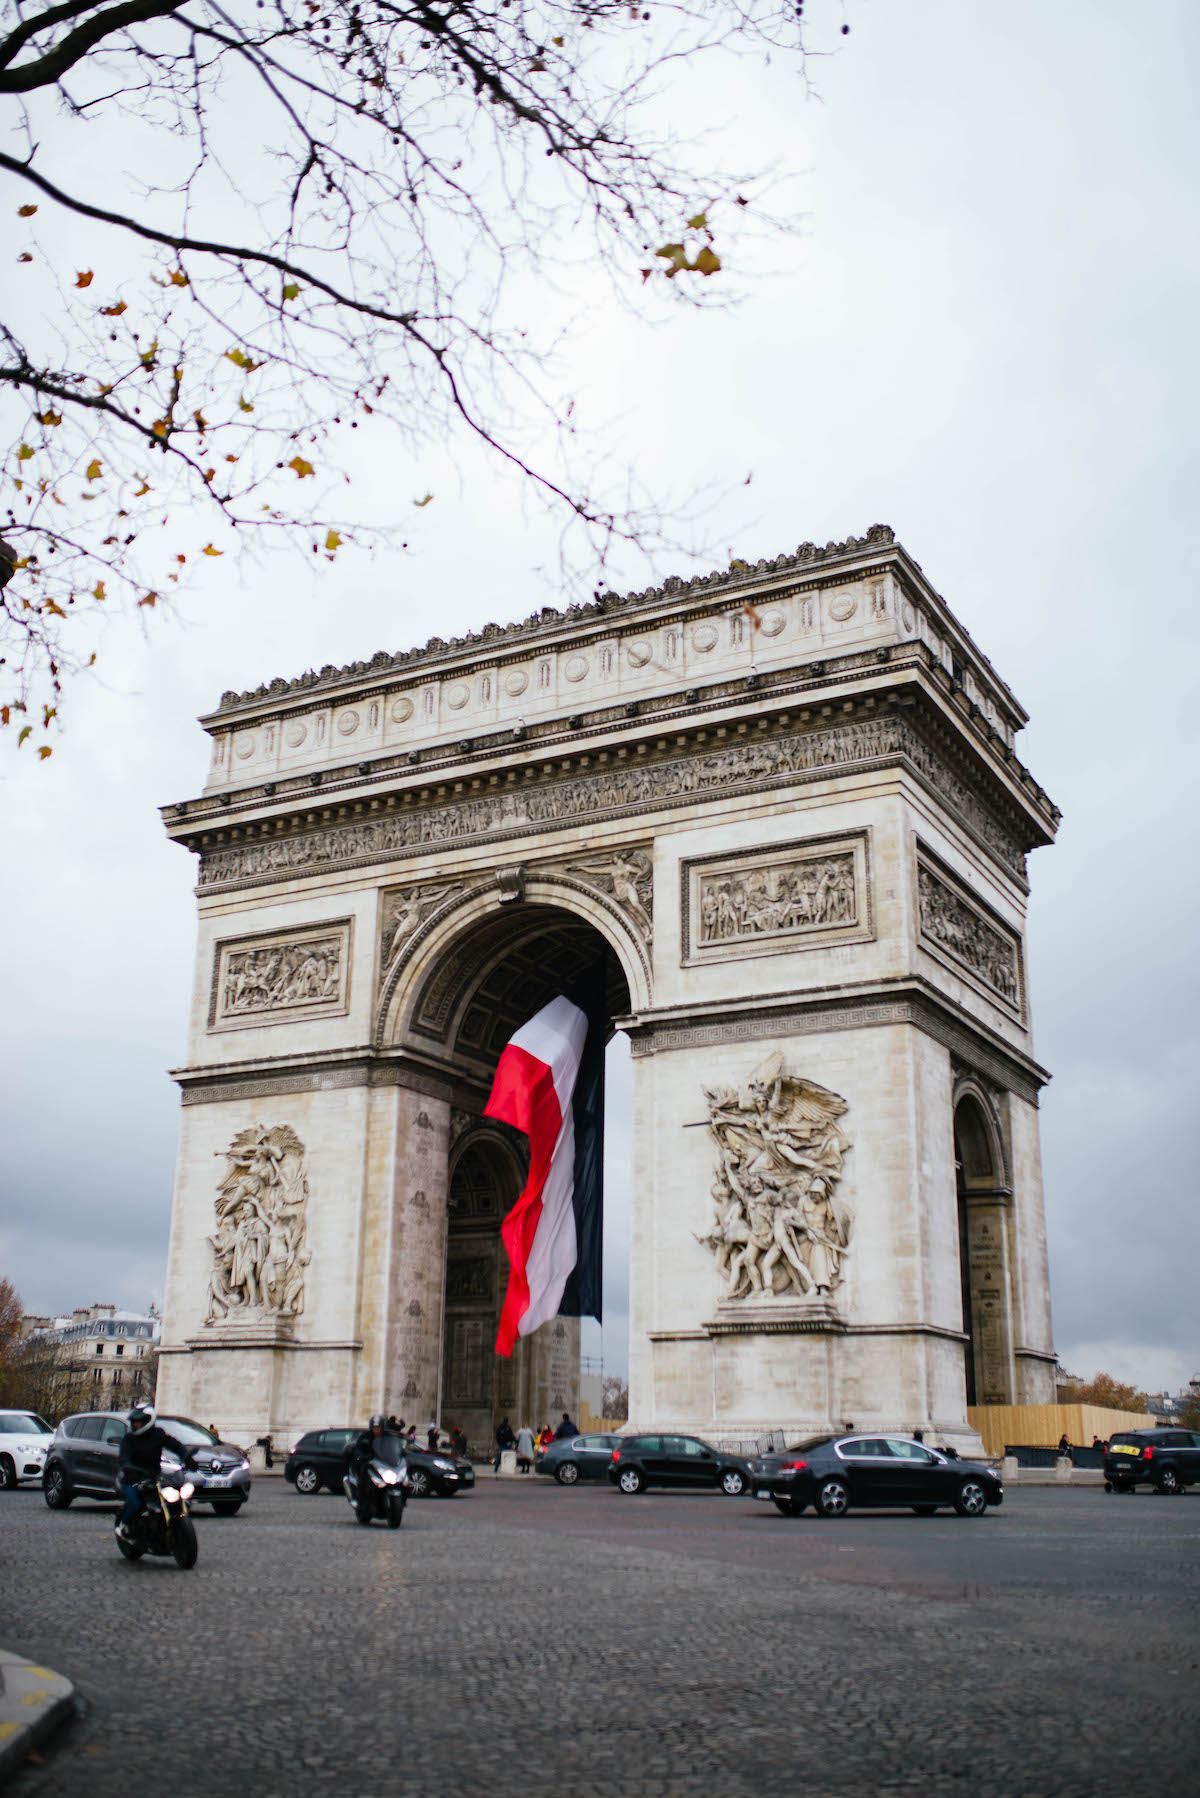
536,1089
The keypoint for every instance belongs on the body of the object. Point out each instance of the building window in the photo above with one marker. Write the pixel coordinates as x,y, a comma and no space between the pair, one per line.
99,1348
141,1351
120,1348
97,1375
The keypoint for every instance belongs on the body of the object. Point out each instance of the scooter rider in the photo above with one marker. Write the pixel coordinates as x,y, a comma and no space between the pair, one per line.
366,1448
141,1452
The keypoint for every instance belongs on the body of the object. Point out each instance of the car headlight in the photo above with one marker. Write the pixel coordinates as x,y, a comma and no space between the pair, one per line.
443,1466
243,1464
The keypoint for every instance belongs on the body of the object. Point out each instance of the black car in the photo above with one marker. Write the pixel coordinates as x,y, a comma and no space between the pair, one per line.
836,1473
637,1462
322,1457
574,1458
1167,1459
84,1457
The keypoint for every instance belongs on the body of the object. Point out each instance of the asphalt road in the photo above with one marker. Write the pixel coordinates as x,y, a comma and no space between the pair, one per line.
525,1638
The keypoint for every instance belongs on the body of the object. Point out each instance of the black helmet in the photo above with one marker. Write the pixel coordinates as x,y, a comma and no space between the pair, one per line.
377,1422
141,1416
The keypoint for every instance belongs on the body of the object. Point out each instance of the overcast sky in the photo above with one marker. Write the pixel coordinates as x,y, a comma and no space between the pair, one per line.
986,338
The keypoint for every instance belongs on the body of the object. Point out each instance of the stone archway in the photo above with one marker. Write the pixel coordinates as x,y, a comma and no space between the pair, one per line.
983,1194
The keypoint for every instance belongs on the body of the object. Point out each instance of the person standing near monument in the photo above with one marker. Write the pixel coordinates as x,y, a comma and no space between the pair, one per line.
524,1448
504,1441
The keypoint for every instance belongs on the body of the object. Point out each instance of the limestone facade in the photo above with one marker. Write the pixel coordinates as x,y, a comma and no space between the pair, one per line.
781,811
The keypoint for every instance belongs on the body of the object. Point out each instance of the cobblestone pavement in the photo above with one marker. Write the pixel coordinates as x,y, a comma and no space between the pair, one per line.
525,1638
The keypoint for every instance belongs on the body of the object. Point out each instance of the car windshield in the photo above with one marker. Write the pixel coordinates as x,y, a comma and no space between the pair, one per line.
194,1434
27,1423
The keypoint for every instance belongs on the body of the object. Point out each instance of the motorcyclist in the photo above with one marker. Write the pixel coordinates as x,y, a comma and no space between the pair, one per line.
366,1447
141,1459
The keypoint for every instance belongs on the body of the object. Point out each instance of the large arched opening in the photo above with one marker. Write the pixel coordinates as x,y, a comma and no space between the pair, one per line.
483,969
982,1195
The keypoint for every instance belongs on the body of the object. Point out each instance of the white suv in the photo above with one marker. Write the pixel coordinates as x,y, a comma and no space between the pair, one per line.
24,1439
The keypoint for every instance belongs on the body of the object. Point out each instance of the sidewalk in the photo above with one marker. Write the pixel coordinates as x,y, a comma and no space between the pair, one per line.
34,1702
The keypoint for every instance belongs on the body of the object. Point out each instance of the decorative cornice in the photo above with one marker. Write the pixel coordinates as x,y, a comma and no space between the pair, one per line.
269,1076
548,619
647,783
905,1001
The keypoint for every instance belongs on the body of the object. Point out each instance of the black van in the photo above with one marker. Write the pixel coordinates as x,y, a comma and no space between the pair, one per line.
1167,1459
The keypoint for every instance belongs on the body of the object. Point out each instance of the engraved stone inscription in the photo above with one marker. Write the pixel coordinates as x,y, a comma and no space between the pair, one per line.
258,1252
298,974
962,933
779,1229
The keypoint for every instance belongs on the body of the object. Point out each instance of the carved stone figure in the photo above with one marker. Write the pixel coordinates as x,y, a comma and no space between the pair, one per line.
958,928
404,914
806,893
281,975
779,1228
629,877
259,1253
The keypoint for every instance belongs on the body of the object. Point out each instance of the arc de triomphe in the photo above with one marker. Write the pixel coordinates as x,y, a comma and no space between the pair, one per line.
782,807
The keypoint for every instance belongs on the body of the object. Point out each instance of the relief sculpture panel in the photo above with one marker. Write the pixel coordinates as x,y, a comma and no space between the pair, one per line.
281,978
795,896
780,1229
957,930
259,1257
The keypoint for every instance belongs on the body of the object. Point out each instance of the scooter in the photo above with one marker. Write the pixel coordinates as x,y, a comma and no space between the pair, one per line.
383,1494
162,1526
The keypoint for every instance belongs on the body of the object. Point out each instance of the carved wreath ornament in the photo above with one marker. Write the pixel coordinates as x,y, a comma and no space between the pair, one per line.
259,1257
779,1227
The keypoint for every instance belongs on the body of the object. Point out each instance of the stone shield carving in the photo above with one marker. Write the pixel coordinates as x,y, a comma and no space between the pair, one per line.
779,1228
258,1248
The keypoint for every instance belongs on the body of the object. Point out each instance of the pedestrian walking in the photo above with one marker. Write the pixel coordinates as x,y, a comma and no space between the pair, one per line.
524,1448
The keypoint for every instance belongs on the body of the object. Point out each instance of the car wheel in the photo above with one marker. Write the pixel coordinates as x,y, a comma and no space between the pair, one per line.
924,1510
418,1482
308,1480
184,1546
227,1507
56,1489
971,1500
1168,1481
631,1480
567,1474
833,1500
8,1474
733,1483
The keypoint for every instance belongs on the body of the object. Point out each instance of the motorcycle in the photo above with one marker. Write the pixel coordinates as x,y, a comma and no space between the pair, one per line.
162,1526
383,1493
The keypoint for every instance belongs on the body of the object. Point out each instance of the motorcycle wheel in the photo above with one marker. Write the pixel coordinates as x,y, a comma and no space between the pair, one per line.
363,1514
133,1551
395,1511
184,1545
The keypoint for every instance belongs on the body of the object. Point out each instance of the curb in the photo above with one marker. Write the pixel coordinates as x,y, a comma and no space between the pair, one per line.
33,1703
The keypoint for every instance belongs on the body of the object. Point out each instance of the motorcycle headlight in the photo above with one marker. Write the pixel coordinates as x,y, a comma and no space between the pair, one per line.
186,1490
389,1476
171,1494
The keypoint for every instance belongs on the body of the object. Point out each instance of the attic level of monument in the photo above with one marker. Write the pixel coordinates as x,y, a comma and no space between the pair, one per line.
702,643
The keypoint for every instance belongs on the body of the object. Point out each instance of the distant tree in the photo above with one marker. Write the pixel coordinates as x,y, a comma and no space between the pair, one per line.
1103,1390
1189,1411
615,1399
299,216
11,1315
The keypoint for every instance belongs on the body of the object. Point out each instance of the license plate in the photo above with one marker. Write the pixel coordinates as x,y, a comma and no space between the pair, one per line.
218,1479
1124,1448
762,1492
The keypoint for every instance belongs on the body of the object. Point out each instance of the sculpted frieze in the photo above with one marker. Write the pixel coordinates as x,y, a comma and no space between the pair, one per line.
259,1256
607,792
795,896
779,1229
960,931
404,911
281,978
